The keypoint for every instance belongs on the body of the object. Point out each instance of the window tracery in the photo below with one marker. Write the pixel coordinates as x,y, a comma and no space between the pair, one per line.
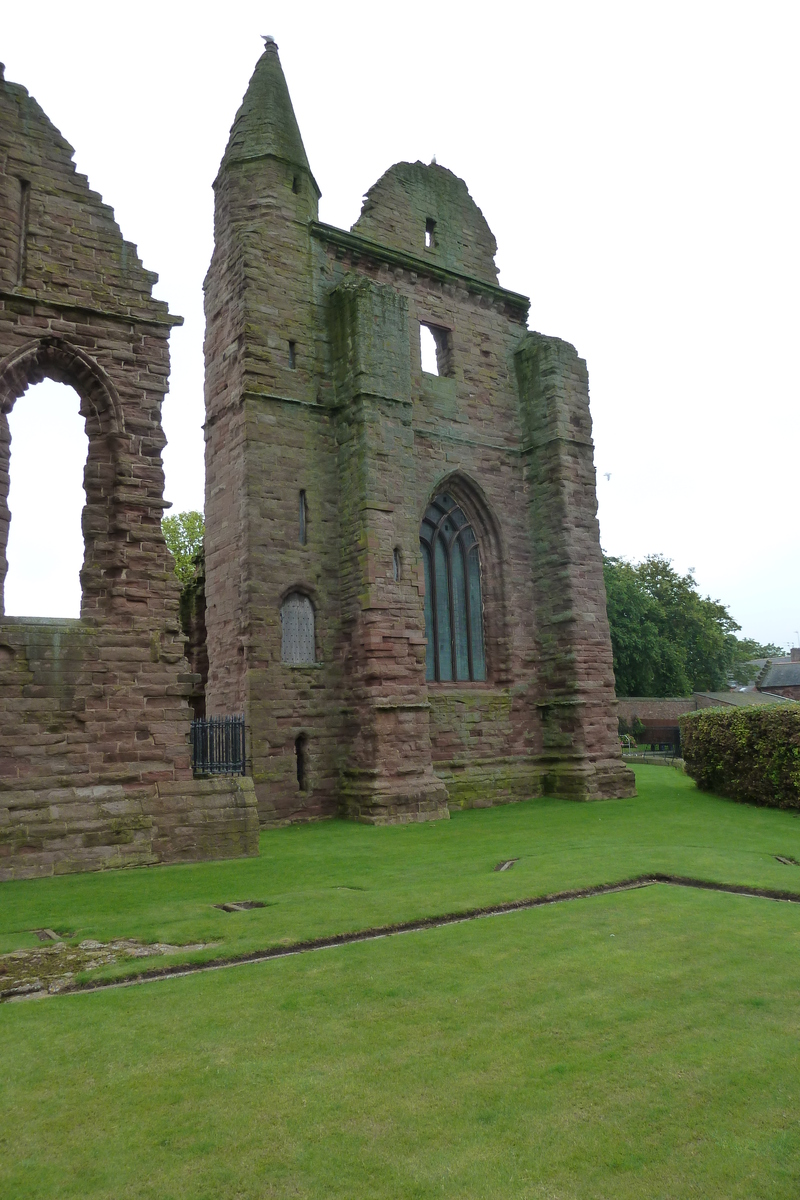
453,598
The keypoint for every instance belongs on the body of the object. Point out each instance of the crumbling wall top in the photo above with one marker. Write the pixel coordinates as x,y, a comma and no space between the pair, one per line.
427,211
59,241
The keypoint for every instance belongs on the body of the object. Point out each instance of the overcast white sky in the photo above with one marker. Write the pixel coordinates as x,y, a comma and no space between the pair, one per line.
637,163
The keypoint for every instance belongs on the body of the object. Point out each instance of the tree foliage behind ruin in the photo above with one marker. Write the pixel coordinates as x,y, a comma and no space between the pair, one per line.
183,534
667,639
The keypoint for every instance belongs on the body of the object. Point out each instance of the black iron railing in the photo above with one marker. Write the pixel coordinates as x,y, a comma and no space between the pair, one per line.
218,746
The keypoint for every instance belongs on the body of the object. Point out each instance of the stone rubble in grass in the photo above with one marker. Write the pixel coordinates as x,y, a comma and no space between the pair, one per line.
52,968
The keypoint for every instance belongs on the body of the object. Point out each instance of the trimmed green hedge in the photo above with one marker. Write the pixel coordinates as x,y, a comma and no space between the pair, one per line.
750,754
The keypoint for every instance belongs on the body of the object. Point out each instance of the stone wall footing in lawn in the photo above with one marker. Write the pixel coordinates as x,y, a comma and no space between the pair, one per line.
74,831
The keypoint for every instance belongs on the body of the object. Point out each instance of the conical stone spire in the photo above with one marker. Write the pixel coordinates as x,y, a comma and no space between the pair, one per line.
265,125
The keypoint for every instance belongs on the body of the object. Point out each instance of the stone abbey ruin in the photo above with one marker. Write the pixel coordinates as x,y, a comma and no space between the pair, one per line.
403,589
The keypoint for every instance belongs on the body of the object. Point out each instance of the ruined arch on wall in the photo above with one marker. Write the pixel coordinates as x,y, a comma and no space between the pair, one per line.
471,499
56,359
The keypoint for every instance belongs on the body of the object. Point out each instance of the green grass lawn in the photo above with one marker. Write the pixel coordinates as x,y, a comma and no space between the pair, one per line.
335,877
638,1044
642,1044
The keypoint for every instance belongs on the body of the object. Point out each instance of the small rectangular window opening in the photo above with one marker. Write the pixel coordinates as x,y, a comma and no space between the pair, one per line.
435,349
303,517
397,564
430,226
292,356
427,350
296,184
22,243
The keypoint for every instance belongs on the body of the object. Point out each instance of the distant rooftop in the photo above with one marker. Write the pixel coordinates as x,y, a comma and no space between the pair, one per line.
781,673
744,699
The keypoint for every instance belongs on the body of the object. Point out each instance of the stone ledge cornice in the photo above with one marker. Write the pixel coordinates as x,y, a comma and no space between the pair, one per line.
36,300
245,159
539,444
419,266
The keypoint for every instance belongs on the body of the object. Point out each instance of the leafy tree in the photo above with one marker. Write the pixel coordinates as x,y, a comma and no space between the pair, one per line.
695,630
183,534
633,617
667,639
753,649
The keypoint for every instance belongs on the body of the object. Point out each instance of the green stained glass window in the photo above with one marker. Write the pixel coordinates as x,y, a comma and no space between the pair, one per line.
430,656
476,616
444,651
453,601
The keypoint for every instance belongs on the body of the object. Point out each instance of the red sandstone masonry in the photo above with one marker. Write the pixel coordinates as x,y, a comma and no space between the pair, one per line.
370,438
648,708
576,679
790,692
388,773
101,702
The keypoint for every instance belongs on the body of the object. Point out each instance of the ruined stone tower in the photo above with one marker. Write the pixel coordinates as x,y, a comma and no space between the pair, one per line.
404,578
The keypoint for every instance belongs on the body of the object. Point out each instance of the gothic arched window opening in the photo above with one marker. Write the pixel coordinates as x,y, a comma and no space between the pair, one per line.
453,604
46,497
297,630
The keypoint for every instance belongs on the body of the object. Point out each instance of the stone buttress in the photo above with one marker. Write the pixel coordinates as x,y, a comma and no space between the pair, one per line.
580,751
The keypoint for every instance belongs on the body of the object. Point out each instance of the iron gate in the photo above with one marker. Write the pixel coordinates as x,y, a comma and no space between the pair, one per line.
218,746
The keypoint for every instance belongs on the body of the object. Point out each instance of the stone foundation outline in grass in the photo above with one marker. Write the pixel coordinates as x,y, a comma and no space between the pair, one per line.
97,954
636,1044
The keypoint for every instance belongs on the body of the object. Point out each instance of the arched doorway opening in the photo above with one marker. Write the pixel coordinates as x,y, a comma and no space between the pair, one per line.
46,497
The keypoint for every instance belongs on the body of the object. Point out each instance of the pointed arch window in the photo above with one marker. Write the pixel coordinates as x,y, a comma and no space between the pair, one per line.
453,602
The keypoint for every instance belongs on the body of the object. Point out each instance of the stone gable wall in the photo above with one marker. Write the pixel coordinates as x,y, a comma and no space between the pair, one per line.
314,383
101,702
463,436
398,208
73,248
